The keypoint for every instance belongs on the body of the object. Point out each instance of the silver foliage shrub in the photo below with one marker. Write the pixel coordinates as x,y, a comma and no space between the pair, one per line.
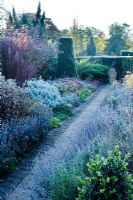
43,91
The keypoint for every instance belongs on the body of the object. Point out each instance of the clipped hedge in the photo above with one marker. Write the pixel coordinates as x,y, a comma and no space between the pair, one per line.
122,64
126,53
66,61
94,71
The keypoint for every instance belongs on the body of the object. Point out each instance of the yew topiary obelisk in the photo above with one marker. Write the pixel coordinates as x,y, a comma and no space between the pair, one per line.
66,61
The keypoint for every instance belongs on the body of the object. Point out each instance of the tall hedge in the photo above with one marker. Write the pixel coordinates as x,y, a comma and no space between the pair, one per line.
66,61
126,53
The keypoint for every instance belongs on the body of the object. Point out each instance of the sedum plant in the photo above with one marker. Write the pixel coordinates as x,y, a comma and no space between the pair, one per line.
108,178
55,122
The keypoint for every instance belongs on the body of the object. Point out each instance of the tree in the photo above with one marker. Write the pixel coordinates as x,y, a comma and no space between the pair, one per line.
38,13
81,35
25,19
42,23
74,34
40,20
118,37
15,18
100,42
10,19
91,48
53,33
99,39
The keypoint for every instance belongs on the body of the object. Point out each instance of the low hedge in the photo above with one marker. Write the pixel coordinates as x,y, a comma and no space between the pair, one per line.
122,64
94,71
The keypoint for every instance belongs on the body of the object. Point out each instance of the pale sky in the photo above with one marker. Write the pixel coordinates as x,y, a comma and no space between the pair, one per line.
96,13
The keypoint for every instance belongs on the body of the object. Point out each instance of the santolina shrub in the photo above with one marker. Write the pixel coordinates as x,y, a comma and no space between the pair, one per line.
45,92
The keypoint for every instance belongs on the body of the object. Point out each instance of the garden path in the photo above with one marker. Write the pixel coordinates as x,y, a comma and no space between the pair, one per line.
59,143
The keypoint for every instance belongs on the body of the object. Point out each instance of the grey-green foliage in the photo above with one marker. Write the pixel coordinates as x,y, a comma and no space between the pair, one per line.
64,182
66,61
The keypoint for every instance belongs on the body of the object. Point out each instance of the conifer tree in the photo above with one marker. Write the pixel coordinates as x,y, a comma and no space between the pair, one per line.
42,24
10,19
91,48
42,21
15,18
38,13
24,19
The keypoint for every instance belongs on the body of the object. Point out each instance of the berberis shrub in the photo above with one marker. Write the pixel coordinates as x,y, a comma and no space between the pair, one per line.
43,91
108,178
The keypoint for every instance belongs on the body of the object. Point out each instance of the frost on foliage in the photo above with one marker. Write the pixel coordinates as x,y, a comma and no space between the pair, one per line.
14,101
71,98
44,92
18,134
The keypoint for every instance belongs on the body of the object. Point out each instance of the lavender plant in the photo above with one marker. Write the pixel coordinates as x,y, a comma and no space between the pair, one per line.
18,135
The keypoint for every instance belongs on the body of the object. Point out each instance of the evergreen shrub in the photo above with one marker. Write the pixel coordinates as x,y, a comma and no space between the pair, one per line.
66,61
108,178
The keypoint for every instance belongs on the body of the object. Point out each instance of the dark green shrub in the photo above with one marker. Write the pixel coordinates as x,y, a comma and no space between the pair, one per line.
49,72
127,65
126,53
62,112
66,61
108,179
7,165
61,116
121,64
94,71
64,109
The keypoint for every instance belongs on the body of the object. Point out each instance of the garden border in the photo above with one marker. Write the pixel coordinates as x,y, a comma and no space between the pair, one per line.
8,185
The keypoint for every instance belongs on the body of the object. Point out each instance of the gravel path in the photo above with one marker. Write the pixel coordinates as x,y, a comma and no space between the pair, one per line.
61,144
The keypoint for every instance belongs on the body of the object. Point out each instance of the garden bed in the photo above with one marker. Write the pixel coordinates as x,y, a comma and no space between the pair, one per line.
43,111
